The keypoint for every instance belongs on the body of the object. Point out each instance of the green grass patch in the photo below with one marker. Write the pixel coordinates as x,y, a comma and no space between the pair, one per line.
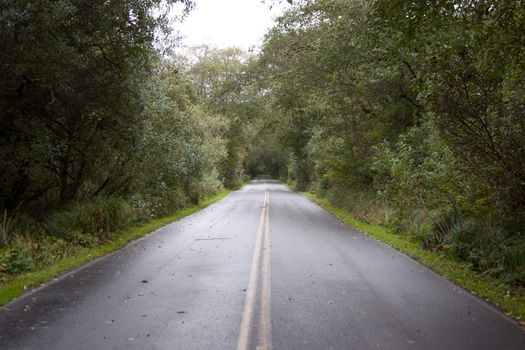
492,290
16,286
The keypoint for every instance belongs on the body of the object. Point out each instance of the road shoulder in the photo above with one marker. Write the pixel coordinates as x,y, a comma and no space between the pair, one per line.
28,282
489,289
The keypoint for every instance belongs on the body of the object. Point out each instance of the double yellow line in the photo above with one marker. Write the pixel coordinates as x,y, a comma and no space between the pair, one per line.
264,329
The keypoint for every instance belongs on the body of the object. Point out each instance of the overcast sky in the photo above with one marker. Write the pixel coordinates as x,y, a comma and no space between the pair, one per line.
226,23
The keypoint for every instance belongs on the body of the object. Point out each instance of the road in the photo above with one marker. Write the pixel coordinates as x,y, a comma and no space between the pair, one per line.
264,268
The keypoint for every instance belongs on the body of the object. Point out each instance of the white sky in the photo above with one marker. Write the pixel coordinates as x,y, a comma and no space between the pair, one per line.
226,23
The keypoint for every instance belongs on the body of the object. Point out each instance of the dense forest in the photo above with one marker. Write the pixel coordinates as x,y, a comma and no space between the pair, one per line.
410,114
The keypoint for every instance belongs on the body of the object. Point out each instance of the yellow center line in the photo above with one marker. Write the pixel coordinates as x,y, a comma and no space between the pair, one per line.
265,330
245,332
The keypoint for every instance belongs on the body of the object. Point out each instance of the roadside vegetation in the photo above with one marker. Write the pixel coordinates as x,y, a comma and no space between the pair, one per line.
407,114
66,255
489,288
104,128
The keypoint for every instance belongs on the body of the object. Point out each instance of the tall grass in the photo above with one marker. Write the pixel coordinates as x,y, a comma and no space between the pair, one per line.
30,245
98,217
6,228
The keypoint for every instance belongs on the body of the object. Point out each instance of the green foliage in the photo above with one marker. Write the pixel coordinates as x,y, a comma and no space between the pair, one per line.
409,114
16,260
72,74
98,217
266,157
417,173
220,84
471,70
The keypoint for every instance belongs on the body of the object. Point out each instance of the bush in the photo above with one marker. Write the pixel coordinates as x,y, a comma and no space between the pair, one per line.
488,248
16,260
30,252
100,216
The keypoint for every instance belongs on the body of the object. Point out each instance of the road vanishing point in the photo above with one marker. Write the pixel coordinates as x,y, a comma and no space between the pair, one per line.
264,268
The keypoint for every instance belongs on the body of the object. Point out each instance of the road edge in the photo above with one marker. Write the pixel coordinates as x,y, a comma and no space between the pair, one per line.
27,283
490,291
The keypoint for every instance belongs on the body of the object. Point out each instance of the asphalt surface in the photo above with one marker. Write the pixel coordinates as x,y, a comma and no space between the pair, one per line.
263,268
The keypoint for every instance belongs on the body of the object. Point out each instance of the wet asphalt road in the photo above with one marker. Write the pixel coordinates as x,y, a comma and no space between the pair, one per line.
263,268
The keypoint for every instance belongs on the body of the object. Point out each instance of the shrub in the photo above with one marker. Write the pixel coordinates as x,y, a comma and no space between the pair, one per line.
16,260
100,216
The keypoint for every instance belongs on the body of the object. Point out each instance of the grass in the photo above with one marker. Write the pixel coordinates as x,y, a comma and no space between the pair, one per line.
489,289
15,287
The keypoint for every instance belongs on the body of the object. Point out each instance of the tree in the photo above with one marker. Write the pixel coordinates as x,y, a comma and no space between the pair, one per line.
71,100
